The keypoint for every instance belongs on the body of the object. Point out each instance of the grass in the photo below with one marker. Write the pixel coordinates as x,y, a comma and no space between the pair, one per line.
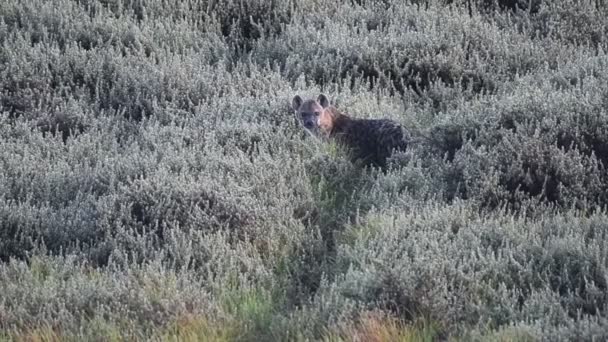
381,329
199,329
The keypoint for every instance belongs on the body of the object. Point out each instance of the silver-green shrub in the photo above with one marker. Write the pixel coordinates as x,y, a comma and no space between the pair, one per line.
154,182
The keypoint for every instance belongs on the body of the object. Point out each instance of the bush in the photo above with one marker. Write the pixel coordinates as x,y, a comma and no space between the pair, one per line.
451,263
154,182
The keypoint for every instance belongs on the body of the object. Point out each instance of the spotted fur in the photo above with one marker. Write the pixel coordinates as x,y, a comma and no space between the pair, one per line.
371,141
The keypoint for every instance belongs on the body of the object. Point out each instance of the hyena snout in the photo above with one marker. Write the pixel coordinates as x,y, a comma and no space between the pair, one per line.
309,123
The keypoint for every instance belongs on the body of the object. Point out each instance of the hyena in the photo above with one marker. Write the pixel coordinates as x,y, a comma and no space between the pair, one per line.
371,141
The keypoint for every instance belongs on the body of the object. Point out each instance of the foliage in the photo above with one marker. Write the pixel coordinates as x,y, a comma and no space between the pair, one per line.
154,183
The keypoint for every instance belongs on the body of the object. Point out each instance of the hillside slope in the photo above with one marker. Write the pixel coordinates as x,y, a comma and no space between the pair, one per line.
154,183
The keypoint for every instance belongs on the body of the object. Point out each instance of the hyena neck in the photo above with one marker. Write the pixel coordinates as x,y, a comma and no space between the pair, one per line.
336,121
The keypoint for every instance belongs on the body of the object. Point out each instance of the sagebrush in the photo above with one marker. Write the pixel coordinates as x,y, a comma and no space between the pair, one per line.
154,183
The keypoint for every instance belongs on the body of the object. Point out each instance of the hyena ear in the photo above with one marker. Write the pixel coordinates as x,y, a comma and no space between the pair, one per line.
296,102
323,101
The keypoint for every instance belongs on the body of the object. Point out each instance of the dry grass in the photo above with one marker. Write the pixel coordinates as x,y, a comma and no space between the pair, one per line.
377,327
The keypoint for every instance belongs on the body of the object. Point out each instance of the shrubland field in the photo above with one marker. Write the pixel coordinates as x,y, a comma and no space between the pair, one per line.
154,183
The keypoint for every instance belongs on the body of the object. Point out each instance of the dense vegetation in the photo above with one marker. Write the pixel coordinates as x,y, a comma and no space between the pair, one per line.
154,182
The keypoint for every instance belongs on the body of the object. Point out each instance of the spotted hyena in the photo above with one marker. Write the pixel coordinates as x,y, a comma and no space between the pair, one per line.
371,141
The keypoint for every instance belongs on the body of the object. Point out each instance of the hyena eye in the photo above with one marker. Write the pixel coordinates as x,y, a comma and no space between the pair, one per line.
317,113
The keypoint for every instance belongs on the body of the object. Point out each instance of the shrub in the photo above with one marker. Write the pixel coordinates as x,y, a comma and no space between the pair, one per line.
154,183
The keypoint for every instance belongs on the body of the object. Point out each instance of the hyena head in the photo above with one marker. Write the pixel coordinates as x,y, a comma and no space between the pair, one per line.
314,115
